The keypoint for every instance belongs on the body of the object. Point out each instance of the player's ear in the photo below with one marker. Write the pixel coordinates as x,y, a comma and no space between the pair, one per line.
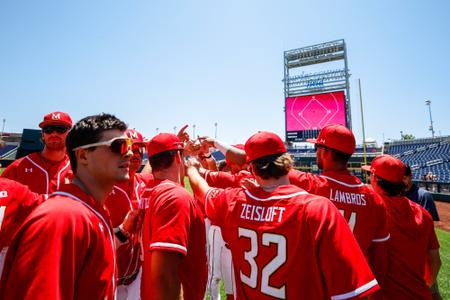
82,157
179,157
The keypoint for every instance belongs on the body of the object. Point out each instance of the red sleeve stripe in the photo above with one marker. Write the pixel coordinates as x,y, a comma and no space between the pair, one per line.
169,246
382,239
356,292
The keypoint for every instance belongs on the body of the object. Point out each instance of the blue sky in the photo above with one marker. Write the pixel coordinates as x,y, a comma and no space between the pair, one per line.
160,64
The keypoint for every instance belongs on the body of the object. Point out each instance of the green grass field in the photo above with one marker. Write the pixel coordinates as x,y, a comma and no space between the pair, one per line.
444,274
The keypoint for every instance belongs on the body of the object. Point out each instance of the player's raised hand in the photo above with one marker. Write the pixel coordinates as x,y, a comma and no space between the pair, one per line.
207,141
182,134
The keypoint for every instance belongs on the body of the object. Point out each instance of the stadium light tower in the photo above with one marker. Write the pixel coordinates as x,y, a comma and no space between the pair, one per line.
3,127
428,103
193,129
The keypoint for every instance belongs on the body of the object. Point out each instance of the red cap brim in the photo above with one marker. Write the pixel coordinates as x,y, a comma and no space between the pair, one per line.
54,122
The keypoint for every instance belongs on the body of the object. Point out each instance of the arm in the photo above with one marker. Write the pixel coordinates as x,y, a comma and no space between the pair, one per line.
199,185
434,261
164,277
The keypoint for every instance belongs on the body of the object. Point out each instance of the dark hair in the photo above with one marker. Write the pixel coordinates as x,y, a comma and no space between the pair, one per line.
392,188
89,130
272,166
408,170
337,156
162,160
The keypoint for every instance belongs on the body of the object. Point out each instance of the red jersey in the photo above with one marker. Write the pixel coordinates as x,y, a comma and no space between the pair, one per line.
362,208
224,180
174,222
289,244
16,203
40,175
125,197
412,236
64,250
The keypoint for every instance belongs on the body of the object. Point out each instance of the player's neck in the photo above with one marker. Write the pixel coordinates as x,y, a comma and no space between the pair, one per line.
334,167
91,186
167,174
53,155
271,184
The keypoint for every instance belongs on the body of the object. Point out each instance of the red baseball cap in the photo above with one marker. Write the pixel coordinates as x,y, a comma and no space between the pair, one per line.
164,142
56,118
387,167
337,137
262,144
135,135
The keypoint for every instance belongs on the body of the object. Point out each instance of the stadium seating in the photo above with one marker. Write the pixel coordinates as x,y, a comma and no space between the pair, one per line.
424,156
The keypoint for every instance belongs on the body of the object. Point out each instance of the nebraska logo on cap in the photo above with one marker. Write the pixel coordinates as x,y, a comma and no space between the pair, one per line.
56,118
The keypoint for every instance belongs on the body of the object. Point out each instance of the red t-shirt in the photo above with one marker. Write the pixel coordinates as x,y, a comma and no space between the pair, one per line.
362,208
64,250
174,222
124,197
412,236
40,176
289,244
16,203
224,180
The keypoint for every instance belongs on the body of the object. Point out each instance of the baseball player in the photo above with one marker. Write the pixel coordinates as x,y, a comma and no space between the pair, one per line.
173,232
413,250
363,209
46,171
124,198
360,206
16,203
285,242
65,248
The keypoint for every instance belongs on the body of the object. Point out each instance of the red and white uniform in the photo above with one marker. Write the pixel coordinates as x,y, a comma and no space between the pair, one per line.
362,208
16,203
289,244
64,250
412,236
41,176
125,197
225,180
174,222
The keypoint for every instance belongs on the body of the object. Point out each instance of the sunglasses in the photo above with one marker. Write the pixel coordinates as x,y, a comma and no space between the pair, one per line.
55,128
117,145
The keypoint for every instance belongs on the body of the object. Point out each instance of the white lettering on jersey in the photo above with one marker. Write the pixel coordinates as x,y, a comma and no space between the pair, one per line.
261,213
346,197
3,194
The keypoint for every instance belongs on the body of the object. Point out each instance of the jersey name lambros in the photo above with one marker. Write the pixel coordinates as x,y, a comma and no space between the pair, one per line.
262,214
338,195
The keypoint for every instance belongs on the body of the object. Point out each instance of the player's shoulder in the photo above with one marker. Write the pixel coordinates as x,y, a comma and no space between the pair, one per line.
420,213
169,192
12,189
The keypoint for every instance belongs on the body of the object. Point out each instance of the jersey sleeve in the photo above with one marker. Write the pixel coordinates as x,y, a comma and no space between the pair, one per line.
220,179
170,222
10,171
344,267
40,264
304,180
215,205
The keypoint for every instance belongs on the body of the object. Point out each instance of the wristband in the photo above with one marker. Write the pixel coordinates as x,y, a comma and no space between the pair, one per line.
120,235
